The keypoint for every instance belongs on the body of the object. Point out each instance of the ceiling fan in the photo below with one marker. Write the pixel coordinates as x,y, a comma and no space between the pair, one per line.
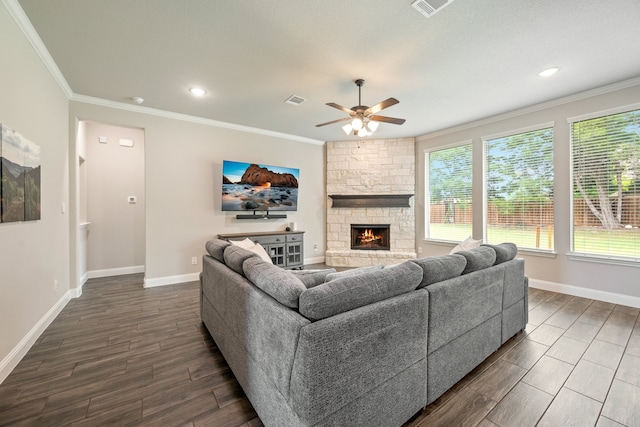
364,120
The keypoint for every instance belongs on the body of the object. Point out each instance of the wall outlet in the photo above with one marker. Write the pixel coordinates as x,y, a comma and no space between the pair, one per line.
55,286
194,260
315,247
419,249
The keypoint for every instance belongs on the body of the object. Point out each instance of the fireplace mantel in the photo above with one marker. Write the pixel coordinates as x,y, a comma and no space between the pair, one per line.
370,200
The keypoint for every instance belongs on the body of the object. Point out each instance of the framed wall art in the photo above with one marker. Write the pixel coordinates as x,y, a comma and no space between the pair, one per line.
19,177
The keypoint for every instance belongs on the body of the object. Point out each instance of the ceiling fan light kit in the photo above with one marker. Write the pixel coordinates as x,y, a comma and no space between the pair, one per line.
364,120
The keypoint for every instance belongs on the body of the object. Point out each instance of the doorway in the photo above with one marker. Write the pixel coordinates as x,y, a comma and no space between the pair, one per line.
111,199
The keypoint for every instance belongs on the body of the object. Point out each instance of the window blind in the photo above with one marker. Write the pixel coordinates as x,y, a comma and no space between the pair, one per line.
606,192
450,178
519,189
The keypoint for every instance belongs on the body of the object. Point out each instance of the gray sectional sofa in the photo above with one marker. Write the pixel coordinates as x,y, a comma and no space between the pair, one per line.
364,347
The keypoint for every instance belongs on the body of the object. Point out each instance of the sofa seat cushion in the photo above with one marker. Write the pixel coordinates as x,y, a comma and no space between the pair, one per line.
438,268
350,292
216,247
234,256
352,272
504,252
277,282
312,278
478,258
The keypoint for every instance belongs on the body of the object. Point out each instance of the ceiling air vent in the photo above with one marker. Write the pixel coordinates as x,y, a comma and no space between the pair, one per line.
429,7
295,100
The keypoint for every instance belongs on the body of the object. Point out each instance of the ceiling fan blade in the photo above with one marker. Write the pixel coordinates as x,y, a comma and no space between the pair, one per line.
341,108
381,106
386,119
334,121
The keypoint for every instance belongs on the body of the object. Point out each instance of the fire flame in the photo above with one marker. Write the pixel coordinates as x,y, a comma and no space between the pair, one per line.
367,236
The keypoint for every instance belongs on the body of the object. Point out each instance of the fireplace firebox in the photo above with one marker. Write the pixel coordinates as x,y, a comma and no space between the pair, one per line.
370,237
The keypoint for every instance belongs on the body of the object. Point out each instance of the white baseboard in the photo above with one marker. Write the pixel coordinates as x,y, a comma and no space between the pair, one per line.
94,274
171,280
75,293
314,260
614,298
14,357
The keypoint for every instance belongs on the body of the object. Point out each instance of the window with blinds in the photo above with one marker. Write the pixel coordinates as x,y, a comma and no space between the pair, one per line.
606,193
449,215
519,188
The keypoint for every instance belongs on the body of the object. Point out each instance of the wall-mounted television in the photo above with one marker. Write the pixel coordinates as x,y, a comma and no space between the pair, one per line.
258,187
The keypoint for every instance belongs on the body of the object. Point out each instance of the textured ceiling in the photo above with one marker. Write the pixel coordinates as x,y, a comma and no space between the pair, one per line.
471,60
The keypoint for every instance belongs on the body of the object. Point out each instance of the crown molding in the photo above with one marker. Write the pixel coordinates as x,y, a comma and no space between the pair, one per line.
534,108
18,15
187,118
21,19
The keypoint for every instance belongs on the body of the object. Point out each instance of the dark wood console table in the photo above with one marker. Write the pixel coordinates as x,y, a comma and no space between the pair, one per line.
284,247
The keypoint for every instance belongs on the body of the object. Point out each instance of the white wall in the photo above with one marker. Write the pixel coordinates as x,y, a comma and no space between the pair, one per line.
32,254
113,173
183,174
591,279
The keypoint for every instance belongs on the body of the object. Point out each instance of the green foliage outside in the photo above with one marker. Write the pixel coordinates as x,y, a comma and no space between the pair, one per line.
520,171
450,175
606,168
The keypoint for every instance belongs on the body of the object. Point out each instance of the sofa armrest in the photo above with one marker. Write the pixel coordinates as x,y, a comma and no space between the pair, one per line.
252,330
341,358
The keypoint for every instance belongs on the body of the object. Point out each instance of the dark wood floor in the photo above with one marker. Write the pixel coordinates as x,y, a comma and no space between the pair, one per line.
124,355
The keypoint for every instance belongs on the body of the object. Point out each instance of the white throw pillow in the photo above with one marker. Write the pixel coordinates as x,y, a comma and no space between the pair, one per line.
244,244
258,249
466,245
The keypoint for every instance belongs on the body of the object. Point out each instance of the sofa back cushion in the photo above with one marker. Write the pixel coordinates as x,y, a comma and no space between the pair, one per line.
478,258
234,256
504,252
350,292
438,268
279,283
216,247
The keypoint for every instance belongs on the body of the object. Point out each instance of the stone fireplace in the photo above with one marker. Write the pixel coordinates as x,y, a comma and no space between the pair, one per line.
370,182
373,237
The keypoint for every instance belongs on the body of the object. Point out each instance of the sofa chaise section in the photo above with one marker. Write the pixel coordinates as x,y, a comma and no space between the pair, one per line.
363,366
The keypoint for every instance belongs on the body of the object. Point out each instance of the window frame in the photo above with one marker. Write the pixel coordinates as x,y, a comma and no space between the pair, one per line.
427,187
585,256
485,184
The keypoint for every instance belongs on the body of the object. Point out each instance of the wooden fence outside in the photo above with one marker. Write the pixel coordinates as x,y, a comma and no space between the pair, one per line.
534,214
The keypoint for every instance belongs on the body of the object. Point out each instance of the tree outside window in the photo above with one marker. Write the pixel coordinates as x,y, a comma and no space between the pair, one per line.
606,192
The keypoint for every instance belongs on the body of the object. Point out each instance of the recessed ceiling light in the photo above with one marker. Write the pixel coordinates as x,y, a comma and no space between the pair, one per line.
548,72
196,91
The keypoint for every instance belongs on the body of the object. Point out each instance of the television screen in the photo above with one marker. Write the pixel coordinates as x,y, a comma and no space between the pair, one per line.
256,187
